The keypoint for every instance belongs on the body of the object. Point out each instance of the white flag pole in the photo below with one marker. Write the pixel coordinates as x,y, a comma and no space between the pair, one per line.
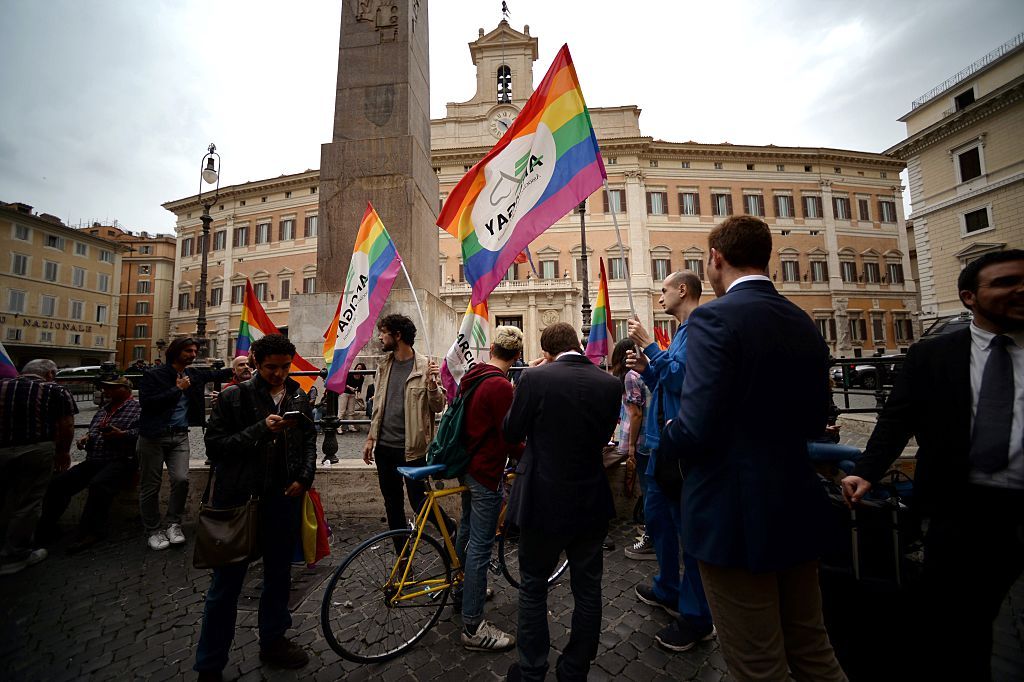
622,254
416,300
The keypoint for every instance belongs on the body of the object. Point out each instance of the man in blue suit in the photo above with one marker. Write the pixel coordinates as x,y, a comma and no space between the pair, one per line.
753,512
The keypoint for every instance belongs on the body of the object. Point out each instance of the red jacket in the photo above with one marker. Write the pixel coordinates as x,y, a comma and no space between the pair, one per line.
485,414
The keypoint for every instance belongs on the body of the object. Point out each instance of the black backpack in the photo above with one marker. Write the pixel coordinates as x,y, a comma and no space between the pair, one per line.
448,446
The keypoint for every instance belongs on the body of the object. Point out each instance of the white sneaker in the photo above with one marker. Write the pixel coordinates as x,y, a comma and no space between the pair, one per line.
33,558
488,638
158,540
174,534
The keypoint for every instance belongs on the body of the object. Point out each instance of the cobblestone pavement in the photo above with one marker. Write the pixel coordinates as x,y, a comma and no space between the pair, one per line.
122,611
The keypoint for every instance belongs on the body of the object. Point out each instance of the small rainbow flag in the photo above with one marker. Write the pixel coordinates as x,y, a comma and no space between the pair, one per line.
7,368
661,338
374,267
602,333
255,325
472,345
544,166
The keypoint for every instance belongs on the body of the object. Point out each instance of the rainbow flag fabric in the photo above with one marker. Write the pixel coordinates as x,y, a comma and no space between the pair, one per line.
7,368
544,166
374,267
472,345
602,333
255,324
661,338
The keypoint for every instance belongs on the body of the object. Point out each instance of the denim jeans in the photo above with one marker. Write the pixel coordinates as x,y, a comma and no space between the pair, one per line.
643,457
664,522
24,472
538,555
279,522
480,509
171,449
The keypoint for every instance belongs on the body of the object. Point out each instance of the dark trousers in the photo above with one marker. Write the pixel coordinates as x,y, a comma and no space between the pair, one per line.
974,552
103,478
538,556
279,525
388,460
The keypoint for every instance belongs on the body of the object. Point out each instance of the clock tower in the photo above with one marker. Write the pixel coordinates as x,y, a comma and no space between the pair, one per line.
504,61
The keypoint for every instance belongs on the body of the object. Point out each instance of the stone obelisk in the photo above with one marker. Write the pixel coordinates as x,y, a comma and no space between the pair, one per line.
379,153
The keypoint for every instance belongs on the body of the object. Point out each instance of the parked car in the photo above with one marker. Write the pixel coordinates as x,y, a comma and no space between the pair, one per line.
948,325
869,376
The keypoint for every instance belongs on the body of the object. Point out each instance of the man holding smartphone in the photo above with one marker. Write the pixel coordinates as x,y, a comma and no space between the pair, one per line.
263,444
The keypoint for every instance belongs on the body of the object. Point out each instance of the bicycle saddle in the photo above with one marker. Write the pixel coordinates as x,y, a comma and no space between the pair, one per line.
420,473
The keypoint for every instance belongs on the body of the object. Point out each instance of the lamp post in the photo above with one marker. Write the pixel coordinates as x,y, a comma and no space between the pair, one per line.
585,309
210,174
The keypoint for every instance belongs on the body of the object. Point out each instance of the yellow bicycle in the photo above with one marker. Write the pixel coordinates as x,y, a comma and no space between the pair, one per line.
391,589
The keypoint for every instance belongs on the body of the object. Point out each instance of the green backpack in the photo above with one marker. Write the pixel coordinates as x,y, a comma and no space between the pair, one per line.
448,446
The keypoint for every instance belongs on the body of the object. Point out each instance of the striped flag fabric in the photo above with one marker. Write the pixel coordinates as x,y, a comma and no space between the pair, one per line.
602,333
661,338
7,368
375,265
544,166
255,324
472,345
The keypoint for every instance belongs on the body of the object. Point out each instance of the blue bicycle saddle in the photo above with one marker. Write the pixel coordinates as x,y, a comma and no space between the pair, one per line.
420,473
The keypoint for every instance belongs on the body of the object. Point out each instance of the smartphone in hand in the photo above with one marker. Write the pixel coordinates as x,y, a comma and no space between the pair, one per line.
294,414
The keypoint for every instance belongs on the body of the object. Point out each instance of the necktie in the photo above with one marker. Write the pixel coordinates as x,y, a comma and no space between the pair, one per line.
990,444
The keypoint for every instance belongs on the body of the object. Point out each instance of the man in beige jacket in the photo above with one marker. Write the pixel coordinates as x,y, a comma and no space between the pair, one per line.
408,396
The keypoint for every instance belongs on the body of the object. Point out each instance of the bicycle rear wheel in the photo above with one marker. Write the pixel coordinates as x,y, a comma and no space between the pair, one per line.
364,617
508,558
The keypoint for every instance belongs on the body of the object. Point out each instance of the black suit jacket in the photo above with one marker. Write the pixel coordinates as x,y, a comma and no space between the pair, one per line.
755,391
931,400
565,411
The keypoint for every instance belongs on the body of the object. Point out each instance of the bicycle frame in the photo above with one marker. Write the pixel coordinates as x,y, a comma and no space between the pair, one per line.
405,556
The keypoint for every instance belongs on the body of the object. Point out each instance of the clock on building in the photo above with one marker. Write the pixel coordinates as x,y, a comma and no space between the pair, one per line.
501,120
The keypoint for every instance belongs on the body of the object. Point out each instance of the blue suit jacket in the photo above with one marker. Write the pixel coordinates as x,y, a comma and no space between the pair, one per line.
755,391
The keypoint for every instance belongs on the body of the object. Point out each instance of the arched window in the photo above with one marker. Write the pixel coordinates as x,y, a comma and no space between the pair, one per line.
504,83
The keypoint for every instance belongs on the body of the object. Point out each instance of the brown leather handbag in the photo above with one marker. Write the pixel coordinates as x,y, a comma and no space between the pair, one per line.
226,536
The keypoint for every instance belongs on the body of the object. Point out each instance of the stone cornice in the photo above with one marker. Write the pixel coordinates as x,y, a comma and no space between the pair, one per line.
951,125
925,212
232,192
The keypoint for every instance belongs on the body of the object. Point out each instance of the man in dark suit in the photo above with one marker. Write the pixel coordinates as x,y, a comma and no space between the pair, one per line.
565,409
753,509
962,396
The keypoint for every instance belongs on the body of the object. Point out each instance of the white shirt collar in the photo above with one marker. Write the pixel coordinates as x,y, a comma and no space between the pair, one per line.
568,352
747,278
982,338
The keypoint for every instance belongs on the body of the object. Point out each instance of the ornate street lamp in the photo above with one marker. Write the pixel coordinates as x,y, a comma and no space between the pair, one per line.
210,174
582,210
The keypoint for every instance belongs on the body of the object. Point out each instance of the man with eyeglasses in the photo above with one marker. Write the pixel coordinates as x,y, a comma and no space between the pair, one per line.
961,395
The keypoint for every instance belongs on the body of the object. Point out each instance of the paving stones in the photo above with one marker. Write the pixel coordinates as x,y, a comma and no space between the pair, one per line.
121,611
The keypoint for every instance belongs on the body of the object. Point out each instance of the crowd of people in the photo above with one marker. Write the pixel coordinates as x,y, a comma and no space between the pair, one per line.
716,428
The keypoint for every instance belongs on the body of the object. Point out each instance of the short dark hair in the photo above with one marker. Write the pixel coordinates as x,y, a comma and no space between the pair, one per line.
690,279
618,361
271,344
178,345
399,325
968,279
559,338
744,241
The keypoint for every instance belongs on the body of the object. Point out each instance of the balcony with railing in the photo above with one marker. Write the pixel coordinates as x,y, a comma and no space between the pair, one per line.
969,71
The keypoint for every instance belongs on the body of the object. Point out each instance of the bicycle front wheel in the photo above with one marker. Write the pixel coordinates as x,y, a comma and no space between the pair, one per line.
368,613
508,558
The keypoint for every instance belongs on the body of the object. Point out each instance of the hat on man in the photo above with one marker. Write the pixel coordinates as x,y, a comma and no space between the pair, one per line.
119,381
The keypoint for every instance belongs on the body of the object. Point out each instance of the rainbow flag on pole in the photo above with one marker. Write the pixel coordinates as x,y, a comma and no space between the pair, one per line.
374,267
545,165
255,324
7,368
472,345
602,333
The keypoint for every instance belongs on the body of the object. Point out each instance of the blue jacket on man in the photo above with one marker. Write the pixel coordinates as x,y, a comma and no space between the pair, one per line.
755,391
664,377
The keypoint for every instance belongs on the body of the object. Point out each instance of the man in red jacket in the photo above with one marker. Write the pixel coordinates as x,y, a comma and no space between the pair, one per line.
481,505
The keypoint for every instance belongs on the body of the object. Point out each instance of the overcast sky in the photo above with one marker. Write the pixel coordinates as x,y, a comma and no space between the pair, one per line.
108,105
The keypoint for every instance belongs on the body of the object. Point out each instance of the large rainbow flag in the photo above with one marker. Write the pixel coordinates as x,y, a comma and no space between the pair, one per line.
545,165
602,333
255,324
472,345
7,368
374,267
